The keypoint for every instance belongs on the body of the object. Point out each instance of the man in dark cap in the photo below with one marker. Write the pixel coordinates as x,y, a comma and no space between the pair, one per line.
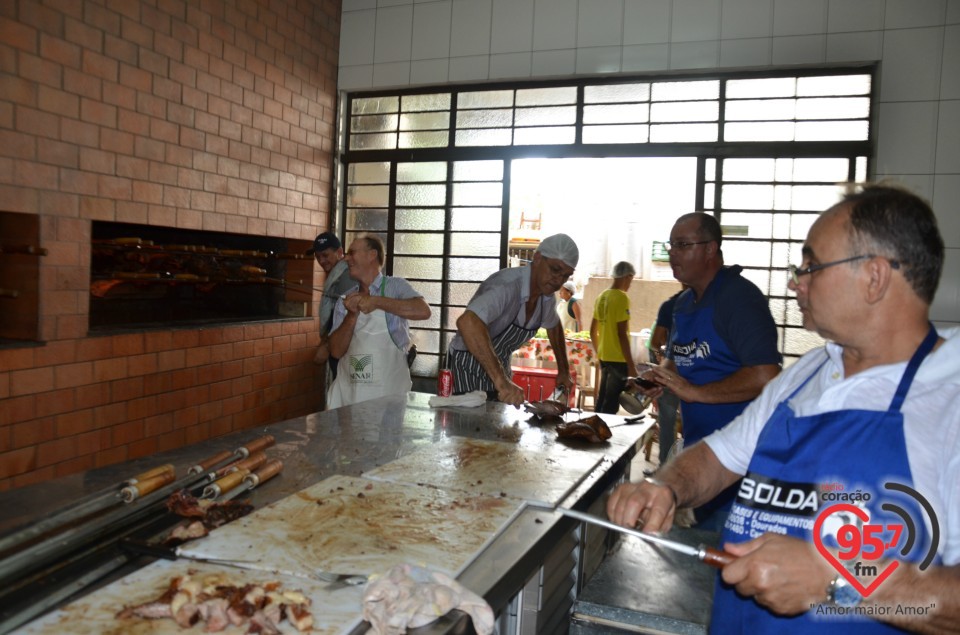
329,255
505,312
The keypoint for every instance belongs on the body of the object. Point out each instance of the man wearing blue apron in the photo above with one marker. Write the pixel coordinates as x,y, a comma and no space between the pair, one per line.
370,335
506,311
870,422
722,348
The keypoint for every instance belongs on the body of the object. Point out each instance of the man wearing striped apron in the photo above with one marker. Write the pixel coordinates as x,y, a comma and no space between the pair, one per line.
847,519
506,311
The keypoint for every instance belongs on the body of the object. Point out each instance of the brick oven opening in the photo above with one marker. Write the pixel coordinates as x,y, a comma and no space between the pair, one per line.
147,276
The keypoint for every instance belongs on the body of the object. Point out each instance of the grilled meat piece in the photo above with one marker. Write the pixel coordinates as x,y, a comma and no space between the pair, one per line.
592,429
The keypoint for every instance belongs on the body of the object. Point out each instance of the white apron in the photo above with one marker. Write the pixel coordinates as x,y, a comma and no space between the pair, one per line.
372,367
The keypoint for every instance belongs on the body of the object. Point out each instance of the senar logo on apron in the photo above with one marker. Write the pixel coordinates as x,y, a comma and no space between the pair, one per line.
361,368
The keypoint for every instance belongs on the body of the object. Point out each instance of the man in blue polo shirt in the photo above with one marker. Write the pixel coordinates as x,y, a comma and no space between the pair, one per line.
722,349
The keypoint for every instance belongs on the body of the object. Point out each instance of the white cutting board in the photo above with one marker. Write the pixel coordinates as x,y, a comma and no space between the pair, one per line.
359,526
545,474
336,609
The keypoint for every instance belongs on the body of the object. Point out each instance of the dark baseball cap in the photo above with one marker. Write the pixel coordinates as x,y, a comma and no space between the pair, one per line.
324,241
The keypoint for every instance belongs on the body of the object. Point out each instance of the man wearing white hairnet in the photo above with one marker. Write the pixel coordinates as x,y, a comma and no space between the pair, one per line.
610,334
505,312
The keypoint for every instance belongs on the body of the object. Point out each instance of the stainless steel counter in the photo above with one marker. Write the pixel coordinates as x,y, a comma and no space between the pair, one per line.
354,439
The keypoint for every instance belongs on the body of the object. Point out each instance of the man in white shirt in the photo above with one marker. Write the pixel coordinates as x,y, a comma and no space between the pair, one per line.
868,426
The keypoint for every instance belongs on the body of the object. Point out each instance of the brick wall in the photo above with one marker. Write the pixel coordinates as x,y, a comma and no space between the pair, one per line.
202,114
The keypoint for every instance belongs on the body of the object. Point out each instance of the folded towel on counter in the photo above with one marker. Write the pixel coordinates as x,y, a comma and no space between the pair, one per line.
408,596
468,400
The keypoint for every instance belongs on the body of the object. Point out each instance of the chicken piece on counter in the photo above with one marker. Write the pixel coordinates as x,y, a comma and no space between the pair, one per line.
592,429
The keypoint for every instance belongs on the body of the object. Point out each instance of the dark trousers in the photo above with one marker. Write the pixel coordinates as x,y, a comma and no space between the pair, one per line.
613,379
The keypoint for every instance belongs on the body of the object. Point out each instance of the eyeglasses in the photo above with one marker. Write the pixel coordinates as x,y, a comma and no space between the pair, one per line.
671,245
796,272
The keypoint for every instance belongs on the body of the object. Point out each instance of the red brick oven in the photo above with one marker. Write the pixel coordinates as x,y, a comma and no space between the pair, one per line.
202,116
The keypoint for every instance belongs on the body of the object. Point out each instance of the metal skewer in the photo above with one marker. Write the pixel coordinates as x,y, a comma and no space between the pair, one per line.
708,555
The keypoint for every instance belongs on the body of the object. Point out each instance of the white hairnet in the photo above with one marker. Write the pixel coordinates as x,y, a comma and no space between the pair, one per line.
569,286
561,247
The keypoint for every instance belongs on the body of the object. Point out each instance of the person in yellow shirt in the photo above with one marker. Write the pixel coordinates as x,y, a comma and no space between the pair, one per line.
609,332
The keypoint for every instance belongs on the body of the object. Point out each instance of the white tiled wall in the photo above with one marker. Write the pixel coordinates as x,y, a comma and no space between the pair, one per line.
393,43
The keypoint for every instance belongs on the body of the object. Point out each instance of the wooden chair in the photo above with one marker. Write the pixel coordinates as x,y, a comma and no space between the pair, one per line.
587,385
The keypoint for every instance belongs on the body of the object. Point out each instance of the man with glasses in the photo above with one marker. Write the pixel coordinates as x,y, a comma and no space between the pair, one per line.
506,311
371,333
722,348
848,515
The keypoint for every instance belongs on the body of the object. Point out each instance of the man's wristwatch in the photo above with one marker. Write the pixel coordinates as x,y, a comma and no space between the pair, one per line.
841,593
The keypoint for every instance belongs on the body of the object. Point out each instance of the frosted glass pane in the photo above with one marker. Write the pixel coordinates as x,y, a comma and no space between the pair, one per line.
709,193
416,103
409,267
834,108
353,235
861,170
832,130
547,116
373,141
424,139
781,226
747,196
368,196
799,228
469,194
782,197
710,169
762,110
419,218
782,253
685,111
472,268
666,133
433,322
757,225
544,136
632,113
373,123
816,198
829,170
679,91
485,99
426,341
367,220
616,134
485,118
418,244
368,173
422,172
759,277
616,93
425,121
477,219
371,105
747,254
547,96
784,170
833,85
475,245
754,131
425,366
800,341
496,137
765,87
416,195
461,292
478,171
431,292
748,170
453,314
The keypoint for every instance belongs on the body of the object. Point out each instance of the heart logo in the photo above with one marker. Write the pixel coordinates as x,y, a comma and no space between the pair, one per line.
835,562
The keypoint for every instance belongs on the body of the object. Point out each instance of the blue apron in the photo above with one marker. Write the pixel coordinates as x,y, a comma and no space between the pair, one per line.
798,463
702,357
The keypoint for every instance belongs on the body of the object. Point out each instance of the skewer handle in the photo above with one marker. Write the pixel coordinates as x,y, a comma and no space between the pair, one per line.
270,469
250,463
715,557
225,484
205,465
131,493
254,446
157,471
